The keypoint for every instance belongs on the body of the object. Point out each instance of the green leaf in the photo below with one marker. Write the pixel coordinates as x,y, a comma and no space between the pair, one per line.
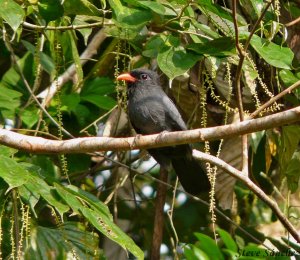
12,79
69,239
96,92
12,172
81,7
154,46
158,8
7,151
70,101
103,102
30,196
12,13
293,172
90,199
129,17
227,240
252,251
36,185
30,117
175,61
76,56
255,139
86,32
199,254
98,215
113,232
219,47
208,245
98,87
288,77
50,10
275,55
9,101
208,6
289,142
45,60
253,7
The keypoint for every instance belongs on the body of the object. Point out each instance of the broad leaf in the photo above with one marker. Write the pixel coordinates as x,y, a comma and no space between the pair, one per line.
219,47
96,92
288,77
227,239
12,172
81,7
9,101
275,55
208,245
289,142
69,238
97,214
175,61
157,7
293,172
50,10
12,13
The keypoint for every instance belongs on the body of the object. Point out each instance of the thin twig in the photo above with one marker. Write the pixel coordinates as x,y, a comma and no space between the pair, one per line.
242,54
274,99
64,28
238,89
98,119
297,20
170,215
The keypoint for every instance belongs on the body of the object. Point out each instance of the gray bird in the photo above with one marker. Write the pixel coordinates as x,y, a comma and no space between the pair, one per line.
151,111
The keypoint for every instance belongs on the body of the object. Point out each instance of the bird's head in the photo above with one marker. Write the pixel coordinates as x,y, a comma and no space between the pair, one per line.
140,77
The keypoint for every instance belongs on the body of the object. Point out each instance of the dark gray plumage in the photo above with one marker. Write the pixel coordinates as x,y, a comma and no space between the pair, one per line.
152,111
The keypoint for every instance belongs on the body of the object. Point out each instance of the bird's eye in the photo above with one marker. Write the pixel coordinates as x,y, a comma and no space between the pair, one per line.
144,76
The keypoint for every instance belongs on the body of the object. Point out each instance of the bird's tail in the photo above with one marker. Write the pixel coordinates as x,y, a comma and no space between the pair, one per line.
191,174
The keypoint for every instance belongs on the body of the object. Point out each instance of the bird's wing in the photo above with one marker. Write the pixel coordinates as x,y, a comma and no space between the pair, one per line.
173,116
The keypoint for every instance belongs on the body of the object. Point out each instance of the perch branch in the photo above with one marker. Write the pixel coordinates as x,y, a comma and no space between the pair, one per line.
90,144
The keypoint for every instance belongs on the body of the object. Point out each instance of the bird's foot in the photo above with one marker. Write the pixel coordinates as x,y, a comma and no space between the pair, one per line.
134,143
161,135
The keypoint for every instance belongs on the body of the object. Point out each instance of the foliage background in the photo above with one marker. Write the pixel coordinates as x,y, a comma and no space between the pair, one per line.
58,65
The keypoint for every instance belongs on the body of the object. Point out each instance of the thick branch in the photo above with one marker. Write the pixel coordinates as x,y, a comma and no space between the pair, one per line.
90,144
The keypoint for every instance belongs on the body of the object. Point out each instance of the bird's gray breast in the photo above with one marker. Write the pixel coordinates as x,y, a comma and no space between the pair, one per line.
147,113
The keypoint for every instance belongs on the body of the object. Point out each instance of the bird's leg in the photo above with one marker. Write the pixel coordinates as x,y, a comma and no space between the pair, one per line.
160,137
136,138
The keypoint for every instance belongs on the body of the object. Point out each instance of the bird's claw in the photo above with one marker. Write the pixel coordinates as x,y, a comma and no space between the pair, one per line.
133,144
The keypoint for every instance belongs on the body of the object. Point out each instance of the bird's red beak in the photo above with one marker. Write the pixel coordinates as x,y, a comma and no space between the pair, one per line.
126,77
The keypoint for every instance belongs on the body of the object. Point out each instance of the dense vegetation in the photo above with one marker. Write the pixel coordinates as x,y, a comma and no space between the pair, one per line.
220,61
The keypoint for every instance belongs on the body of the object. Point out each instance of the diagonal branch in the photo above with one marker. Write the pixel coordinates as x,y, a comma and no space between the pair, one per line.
253,187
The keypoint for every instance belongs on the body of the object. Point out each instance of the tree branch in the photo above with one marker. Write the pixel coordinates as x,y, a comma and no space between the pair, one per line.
274,99
90,144
252,186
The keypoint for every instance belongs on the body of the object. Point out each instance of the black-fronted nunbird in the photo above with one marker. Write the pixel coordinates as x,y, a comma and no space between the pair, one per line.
151,111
